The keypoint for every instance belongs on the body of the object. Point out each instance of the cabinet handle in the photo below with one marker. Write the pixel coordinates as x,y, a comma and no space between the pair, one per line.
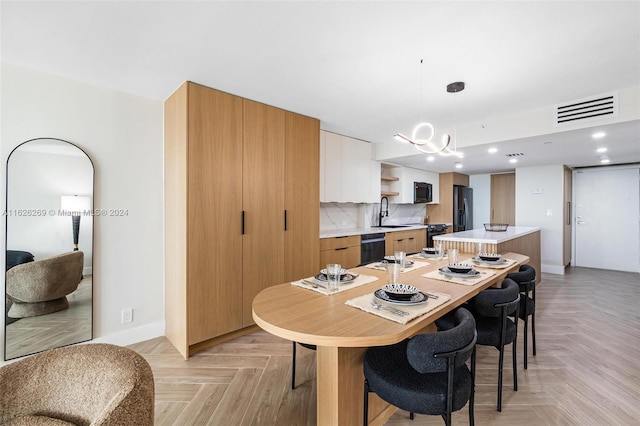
285,220
568,212
242,220
341,248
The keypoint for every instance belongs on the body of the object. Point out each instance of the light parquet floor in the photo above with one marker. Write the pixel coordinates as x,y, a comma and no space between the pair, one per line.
586,372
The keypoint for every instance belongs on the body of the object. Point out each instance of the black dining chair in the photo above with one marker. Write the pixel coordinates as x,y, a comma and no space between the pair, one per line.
491,309
526,280
427,373
293,362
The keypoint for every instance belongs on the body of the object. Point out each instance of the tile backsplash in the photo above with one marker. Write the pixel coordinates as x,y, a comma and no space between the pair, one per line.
337,216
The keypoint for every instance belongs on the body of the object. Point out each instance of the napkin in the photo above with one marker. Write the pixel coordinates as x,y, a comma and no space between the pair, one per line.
437,275
414,311
322,286
380,266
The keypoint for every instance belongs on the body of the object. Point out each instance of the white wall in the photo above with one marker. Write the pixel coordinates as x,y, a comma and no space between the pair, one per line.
543,210
122,134
481,185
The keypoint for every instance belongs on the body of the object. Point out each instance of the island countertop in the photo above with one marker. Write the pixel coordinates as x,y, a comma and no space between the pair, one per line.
517,239
489,237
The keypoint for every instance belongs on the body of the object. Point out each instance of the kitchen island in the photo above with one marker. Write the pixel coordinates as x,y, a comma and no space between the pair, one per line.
518,239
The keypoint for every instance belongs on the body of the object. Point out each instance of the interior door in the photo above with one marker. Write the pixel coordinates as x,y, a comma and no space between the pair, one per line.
568,211
503,198
607,230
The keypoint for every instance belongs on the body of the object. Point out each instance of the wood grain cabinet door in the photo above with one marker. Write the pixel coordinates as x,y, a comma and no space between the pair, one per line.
262,201
301,196
214,207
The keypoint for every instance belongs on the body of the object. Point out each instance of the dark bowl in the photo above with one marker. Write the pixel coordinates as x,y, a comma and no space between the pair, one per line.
489,256
459,268
400,292
429,250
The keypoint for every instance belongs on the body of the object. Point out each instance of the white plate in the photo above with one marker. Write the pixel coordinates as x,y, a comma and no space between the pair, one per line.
416,299
471,274
390,259
348,278
489,262
342,271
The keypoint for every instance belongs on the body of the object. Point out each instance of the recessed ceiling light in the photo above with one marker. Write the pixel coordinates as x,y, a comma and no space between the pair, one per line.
601,150
492,150
458,166
604,159
513,160
598,135
431,158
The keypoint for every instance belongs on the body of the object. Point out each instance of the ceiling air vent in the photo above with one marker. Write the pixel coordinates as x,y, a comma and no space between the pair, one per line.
515,154
596,107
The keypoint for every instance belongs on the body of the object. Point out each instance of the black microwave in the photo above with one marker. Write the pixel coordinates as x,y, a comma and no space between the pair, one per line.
422,192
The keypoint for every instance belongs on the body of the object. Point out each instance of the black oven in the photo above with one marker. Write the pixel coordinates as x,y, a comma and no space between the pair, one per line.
371,248
433,230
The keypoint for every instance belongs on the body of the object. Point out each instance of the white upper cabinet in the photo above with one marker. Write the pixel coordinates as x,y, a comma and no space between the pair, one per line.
347,172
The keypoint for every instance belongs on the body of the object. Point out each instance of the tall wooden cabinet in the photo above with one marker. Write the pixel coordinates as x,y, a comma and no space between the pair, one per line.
236,219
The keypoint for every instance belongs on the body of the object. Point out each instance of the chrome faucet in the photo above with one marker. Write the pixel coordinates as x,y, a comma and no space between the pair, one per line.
384,212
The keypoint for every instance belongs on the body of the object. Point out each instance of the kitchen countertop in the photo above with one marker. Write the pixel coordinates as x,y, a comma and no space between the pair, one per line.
482,236
360,231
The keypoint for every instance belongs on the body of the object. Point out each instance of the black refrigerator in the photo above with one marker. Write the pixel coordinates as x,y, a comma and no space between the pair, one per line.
462,208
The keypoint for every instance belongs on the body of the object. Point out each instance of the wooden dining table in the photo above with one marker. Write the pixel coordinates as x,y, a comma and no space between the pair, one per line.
342,333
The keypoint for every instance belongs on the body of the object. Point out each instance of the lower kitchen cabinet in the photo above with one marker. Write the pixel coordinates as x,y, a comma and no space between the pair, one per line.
412,241
342,250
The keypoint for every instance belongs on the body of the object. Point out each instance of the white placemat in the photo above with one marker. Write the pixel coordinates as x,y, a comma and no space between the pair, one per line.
437,275
481,264
416,264
414,311
308,283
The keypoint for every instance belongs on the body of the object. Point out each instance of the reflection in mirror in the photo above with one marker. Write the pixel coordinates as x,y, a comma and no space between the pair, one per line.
49,258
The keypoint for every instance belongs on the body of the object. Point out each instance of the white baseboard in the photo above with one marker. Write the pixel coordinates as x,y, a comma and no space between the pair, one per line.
134,335
553,269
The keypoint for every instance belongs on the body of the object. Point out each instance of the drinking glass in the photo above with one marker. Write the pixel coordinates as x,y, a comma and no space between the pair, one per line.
400,258
393,272
480,248
439,253
452,254
333,276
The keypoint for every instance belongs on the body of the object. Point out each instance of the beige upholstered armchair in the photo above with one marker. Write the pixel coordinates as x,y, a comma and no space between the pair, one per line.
41,287
93,384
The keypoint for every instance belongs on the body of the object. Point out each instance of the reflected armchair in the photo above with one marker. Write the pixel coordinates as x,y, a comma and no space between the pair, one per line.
40,287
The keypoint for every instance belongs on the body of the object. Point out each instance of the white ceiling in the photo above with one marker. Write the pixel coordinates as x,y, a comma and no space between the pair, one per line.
356,65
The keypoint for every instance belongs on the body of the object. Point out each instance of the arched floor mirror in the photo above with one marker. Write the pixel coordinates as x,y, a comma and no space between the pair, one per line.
49,247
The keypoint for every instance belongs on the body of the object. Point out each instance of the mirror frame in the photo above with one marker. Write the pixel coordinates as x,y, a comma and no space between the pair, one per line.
92,245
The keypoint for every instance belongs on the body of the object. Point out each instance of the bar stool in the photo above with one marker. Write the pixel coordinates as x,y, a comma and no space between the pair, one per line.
526,280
